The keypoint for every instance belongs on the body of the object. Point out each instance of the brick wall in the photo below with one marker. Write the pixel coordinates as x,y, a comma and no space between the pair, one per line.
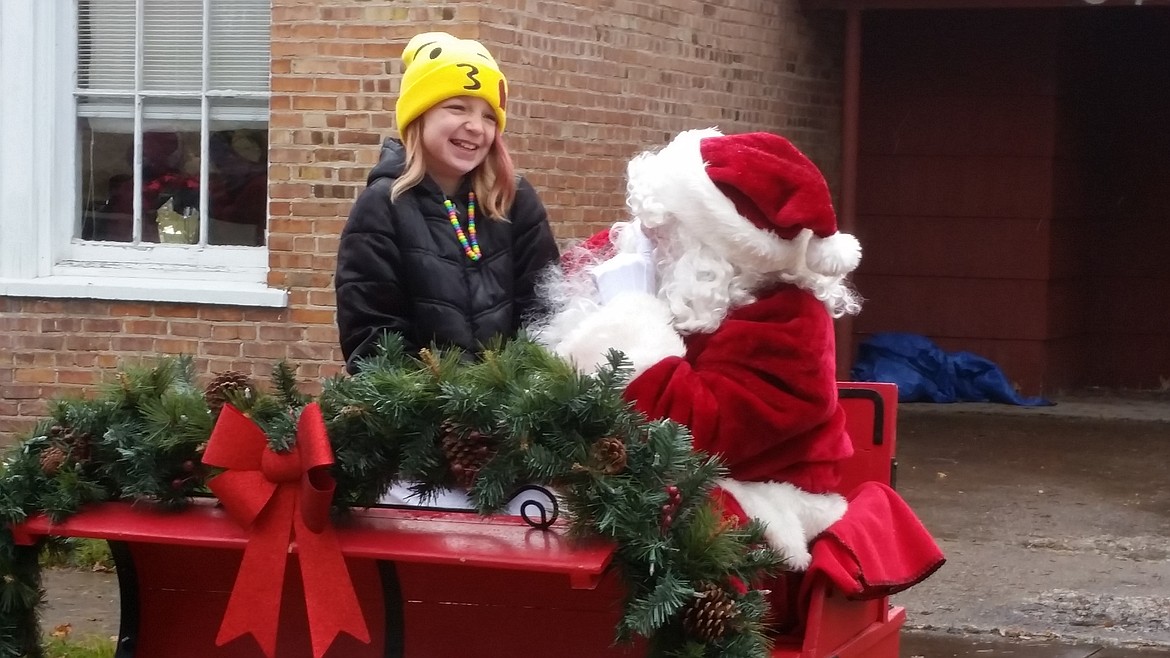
592,84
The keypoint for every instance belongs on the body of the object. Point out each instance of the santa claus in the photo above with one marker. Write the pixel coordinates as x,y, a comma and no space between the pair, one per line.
722,292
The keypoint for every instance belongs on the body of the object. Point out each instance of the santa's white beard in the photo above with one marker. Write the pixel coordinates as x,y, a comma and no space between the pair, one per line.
698,285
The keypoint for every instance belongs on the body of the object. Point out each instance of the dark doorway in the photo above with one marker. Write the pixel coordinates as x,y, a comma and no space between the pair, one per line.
1014,189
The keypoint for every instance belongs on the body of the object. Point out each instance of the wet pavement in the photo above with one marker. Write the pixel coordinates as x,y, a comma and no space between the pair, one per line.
1056,526
917,644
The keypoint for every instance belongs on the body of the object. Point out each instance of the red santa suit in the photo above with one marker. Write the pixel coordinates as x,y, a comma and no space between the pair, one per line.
744,354
759,391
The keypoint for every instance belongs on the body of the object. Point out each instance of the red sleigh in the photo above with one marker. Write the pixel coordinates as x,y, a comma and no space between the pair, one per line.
440,584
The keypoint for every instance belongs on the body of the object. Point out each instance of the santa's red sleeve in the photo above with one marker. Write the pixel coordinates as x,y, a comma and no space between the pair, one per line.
878,548
760,392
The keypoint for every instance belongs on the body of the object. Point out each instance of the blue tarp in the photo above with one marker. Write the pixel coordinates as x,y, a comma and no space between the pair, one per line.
925,373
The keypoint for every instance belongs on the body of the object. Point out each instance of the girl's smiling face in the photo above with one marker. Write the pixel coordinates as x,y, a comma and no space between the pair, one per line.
456,136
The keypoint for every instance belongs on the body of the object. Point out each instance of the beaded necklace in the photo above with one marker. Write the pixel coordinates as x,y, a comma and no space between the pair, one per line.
471,248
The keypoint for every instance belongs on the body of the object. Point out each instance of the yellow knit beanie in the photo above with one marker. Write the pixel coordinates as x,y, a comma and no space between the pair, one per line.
440,66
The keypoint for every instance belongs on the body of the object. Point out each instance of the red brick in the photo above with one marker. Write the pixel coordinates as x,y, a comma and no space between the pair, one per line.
19,391
76,377
132,344
176,346
88,343
35,375
265,350
147,327
233,332
273,333
101,325
176,311
221,348
221,313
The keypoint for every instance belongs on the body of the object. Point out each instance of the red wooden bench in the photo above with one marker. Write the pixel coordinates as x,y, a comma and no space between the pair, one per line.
838,627
440,584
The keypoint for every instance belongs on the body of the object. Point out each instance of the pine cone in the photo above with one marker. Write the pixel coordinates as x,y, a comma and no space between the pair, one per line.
609,455
466,453
216,393
52,458
710,615
74,443
79,443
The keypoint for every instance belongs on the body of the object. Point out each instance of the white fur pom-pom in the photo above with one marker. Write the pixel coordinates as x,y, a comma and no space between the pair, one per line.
835,255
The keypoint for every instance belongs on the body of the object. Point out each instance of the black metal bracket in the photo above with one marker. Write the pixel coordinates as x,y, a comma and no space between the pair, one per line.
879,409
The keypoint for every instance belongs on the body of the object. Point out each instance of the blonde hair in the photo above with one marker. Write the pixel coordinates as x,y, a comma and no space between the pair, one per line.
493,181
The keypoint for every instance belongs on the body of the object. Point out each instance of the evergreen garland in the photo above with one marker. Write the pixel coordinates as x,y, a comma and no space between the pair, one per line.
636,482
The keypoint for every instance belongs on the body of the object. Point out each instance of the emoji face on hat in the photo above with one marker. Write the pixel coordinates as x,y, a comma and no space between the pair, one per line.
440,66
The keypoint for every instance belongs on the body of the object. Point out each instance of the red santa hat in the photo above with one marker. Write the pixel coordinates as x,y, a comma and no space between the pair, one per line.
754,197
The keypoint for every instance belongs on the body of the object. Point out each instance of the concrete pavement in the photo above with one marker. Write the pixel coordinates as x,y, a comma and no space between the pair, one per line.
1055,521
920,644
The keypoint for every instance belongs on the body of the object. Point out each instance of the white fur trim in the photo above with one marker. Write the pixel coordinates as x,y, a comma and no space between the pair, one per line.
672,183
835,255
793,516
638,324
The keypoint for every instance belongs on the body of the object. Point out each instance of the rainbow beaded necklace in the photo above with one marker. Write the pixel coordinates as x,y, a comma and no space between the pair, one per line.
471,248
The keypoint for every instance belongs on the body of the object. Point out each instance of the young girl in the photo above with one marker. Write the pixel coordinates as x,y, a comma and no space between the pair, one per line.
446,242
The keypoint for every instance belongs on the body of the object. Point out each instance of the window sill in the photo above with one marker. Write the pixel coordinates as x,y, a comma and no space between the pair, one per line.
146,290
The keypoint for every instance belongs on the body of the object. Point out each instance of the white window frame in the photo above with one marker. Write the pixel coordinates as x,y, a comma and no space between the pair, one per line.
39,204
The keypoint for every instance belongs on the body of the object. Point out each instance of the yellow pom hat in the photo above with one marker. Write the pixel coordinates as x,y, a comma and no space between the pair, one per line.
440,66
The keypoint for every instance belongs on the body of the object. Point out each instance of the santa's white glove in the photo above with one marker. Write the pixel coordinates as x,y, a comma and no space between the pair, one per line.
631,270
637,323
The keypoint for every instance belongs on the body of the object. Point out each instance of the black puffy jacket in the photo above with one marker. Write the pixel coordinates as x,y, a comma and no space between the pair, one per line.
400,267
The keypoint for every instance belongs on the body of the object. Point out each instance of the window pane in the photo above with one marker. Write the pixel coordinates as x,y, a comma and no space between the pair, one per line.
170,40
105,54
106,150
170,171
250,111
239,44
172,45
170,193
238,185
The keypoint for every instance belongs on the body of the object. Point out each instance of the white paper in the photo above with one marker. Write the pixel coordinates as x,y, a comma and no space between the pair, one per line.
457,499
632,271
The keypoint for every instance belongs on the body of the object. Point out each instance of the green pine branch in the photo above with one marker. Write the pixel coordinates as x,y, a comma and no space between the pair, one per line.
147,427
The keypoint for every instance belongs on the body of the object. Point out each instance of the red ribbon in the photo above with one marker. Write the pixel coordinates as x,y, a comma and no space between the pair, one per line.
278,498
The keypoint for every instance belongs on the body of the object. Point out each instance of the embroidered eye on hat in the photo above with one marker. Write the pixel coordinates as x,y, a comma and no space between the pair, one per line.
439,66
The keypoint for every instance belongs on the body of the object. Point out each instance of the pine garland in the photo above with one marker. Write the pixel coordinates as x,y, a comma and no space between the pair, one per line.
636,482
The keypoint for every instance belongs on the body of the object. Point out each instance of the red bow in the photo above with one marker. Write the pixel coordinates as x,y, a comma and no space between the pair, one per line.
278,497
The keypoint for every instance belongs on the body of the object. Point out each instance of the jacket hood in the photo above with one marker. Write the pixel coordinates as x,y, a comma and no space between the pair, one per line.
390,163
